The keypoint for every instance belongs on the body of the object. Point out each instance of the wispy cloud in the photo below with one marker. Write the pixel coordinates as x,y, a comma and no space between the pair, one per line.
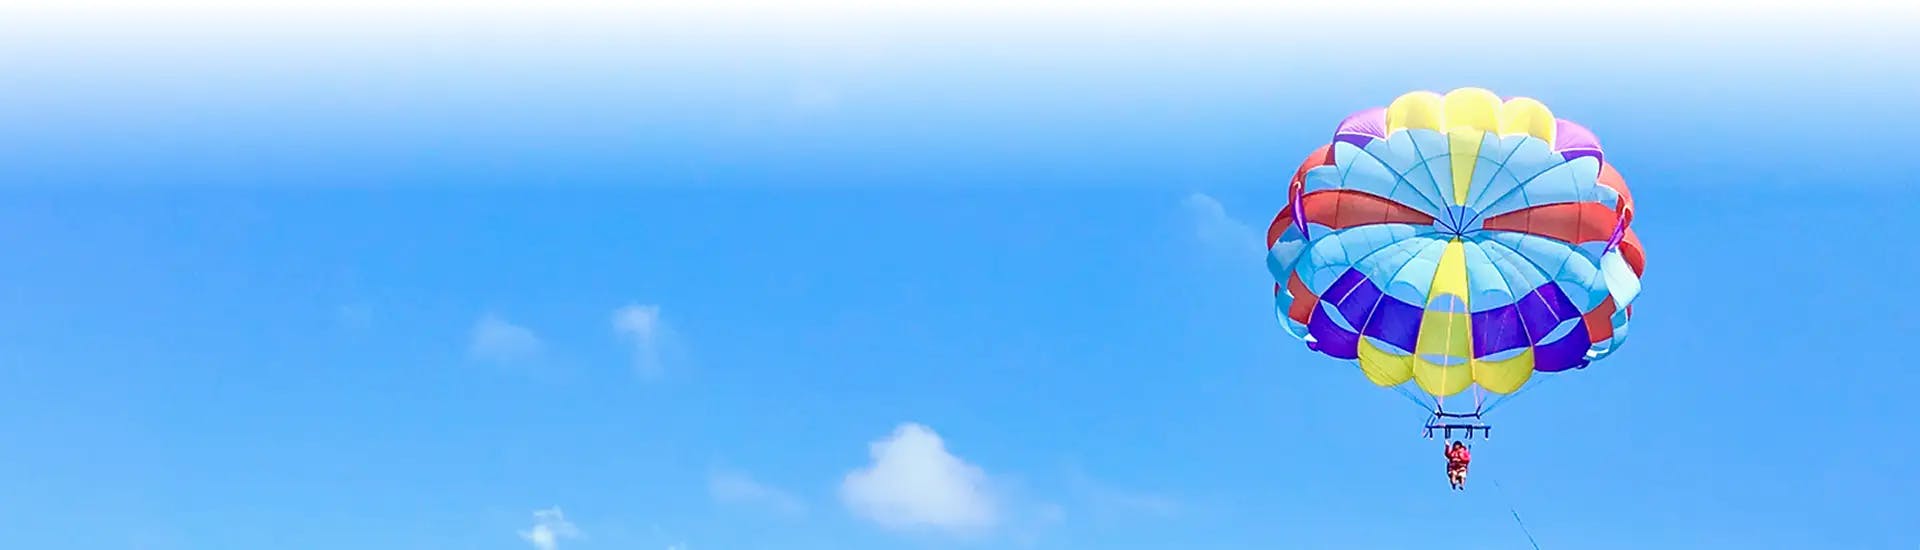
496,339
1221,231
550,526
1147,503
653,340
729,487
1108,500
914,482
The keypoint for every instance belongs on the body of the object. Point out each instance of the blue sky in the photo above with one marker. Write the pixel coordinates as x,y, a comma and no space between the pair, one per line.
503,283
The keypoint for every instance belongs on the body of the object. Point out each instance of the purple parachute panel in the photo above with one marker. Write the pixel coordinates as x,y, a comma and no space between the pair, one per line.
1573,141
1362,127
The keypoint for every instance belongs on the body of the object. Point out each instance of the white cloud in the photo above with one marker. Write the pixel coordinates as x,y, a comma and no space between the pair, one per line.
496,339
737,488
649,335
914,482
550,526
1213,226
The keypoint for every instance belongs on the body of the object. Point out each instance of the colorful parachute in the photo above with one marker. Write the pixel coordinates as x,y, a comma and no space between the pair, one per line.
1459,242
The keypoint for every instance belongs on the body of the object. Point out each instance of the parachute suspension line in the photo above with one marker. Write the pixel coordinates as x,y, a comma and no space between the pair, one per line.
1442,399
1497,401
1417,402
1479,394
1516,514
1511,396
1400,388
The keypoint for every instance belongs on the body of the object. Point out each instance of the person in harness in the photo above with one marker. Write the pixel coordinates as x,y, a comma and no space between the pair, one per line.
1457,458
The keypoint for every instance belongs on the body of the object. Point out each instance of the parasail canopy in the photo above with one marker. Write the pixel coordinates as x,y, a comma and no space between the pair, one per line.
1454,242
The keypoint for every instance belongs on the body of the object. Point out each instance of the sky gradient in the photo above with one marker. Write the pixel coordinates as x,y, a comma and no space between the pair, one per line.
853,276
